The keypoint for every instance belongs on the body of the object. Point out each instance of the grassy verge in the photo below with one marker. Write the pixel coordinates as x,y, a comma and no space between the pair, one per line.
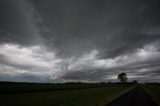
73,97
154,91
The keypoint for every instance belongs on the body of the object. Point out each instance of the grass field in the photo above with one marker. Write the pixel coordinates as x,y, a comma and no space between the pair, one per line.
154,91
70,97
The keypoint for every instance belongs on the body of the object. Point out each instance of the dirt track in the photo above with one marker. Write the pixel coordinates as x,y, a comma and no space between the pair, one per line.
136,97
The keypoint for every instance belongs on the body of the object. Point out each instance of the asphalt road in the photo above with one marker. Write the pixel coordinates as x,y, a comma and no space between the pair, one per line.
136,97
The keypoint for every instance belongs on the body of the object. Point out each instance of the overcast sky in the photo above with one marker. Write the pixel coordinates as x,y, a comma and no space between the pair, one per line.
79,40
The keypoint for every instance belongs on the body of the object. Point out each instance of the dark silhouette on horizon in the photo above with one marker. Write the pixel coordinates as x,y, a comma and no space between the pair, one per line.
122,77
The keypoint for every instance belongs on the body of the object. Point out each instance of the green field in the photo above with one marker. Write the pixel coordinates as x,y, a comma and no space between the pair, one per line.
154,91
75,96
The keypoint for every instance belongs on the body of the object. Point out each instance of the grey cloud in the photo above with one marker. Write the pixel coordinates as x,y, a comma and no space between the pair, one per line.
17,24
25,78
109,26
69,31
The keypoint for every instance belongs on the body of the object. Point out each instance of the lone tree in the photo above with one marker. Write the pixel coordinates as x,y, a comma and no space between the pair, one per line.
122,77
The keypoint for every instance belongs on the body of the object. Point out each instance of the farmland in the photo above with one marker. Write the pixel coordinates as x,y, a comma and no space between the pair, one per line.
18,94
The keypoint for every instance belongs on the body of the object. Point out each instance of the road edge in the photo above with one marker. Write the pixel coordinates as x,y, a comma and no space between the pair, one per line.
115,97
152,95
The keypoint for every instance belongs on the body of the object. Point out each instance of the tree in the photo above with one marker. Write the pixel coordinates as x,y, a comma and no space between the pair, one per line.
122,77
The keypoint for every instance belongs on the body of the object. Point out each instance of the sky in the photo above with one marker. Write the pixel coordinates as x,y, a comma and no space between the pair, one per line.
79,40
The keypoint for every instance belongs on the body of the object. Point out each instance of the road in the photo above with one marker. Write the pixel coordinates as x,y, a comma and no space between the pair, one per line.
136,97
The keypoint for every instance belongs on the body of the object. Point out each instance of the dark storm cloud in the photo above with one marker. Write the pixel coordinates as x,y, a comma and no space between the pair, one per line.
143,72
110,26
16,23
88,40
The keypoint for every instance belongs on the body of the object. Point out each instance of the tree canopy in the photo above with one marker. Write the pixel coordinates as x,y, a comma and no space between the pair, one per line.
122,77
